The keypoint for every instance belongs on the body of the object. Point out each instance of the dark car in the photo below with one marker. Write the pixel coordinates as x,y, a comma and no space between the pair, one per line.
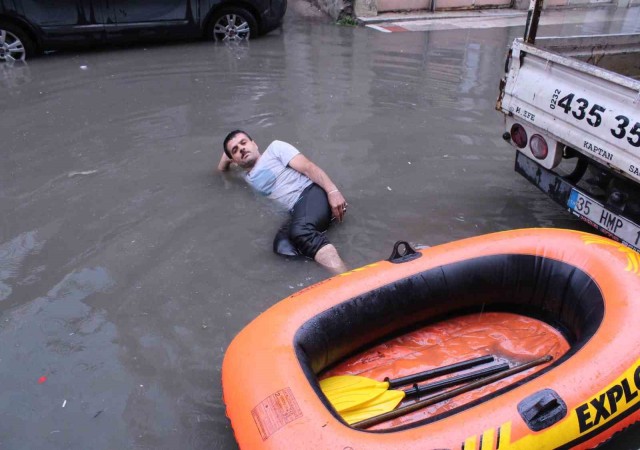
30,26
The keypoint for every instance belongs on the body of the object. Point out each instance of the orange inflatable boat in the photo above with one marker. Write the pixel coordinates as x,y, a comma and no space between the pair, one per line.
530,335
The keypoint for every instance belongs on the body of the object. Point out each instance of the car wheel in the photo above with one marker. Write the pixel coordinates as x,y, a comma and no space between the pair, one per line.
232,24
15,44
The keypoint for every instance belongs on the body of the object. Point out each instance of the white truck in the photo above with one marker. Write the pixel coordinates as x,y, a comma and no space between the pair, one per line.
572,111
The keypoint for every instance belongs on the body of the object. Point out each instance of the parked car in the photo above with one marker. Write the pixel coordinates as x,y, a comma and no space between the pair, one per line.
30,26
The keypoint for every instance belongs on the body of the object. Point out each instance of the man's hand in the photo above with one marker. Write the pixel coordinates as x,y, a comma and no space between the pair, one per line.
336,201
338,204
224,163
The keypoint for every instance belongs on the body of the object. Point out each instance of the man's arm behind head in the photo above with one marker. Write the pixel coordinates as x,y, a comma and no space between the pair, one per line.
225,163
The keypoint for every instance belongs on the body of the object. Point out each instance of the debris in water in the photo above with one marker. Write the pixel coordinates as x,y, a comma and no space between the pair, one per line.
389,189
86,172
42,379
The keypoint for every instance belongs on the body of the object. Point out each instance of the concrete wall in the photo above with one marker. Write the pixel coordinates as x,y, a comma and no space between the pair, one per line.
395,5
364,8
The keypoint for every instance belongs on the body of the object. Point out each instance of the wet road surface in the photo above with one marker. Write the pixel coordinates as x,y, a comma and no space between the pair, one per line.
127,265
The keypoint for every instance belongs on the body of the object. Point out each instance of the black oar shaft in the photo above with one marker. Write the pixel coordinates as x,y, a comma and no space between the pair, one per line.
437,385
439,371
449,394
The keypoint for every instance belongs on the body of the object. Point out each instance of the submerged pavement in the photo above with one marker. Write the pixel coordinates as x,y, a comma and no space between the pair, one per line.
127,264
587,20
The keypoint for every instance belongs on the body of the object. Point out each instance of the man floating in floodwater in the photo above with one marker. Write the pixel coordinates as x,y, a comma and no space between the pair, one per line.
285,175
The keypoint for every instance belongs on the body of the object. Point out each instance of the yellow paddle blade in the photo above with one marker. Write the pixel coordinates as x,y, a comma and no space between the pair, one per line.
349,391
385,402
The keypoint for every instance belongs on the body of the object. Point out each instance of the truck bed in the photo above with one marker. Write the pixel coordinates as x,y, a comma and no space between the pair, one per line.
618,53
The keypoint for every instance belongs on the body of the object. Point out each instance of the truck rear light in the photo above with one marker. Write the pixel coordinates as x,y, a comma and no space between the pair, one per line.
519,135
538,147
533,142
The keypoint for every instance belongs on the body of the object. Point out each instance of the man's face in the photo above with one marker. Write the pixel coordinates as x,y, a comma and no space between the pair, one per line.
244,151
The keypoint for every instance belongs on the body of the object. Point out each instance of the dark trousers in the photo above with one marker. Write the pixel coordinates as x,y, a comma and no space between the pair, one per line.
303,233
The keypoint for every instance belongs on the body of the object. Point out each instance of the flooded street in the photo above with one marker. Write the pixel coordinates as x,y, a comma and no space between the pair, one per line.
127,264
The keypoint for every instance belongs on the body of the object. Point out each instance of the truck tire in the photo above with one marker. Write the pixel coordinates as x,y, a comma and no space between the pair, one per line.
15,43
232,24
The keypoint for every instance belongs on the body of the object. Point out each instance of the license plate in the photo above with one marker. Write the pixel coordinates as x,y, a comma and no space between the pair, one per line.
603,219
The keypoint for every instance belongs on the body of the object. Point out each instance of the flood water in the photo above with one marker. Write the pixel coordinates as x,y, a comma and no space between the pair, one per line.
127,264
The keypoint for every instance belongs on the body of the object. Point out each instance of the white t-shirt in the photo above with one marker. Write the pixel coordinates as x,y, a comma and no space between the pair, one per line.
272,177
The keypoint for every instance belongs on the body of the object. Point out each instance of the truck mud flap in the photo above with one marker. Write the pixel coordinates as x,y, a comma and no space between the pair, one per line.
548,182
613,225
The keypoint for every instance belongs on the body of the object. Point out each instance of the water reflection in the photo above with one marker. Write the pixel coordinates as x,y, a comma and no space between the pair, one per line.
13,76
12,257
